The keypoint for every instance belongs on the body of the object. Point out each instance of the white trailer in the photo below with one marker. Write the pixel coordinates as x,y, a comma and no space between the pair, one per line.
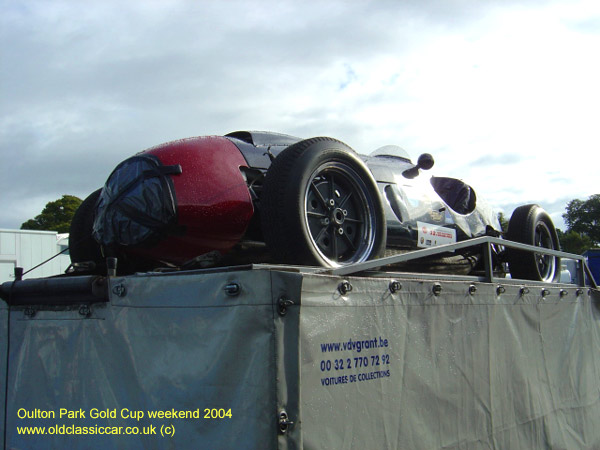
28,248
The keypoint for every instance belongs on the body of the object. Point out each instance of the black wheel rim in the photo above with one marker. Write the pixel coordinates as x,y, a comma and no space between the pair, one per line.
339,214
546,264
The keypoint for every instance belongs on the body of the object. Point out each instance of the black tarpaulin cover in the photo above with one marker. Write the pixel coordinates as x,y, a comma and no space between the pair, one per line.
137,204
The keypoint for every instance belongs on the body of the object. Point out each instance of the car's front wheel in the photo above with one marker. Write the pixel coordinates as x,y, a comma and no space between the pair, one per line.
320,206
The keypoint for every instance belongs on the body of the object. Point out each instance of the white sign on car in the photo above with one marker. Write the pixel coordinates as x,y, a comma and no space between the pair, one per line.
430,235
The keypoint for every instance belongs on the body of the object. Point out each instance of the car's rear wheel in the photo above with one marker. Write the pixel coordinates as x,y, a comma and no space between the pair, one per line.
530,224
320,206
82,246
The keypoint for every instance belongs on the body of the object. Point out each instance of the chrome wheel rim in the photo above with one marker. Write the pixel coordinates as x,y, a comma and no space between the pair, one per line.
546,264
339,214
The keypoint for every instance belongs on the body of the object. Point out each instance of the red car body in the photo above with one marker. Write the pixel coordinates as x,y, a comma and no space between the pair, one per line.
216,211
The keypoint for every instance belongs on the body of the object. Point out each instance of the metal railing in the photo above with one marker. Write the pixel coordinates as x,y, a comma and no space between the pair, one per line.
485,241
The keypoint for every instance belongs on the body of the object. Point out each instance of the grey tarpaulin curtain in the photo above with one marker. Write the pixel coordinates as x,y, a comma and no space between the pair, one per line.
461,371
370,369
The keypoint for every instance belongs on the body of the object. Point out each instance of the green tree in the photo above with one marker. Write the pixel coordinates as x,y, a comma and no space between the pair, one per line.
56,215
503,221
573,242
583,217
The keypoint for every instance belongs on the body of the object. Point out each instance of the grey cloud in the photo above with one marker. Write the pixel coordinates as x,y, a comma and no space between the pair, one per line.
590,25
498,160
86,84
564,180
555,209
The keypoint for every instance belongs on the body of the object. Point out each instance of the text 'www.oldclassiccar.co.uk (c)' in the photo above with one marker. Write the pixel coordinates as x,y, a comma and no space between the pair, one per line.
114,421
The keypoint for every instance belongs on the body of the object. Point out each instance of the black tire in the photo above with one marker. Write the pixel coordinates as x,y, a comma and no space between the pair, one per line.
530,224
82,246
320,206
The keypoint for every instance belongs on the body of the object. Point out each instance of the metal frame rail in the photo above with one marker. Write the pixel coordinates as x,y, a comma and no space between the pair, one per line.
485,241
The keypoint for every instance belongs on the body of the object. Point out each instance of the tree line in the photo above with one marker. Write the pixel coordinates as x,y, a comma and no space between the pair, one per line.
582,218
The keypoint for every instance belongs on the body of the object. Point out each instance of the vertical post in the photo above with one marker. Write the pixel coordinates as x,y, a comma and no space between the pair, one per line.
581,271
111,267
487,259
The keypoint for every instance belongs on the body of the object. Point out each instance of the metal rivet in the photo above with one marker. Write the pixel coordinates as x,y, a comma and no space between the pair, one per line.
436,289
472,289
29,311
578,292
500,290
344,287
284,422
85,310
282,305
523,291
545,293
119,290
394,286
232,289
563,293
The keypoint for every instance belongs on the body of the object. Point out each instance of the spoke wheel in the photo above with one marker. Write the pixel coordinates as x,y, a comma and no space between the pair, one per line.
338,214
320,206
546,264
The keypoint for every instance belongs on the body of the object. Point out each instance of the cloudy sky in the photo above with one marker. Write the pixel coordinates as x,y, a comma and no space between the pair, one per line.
504,94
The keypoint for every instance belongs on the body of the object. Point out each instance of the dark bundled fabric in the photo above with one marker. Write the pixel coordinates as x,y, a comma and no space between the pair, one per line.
137,205
458,195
